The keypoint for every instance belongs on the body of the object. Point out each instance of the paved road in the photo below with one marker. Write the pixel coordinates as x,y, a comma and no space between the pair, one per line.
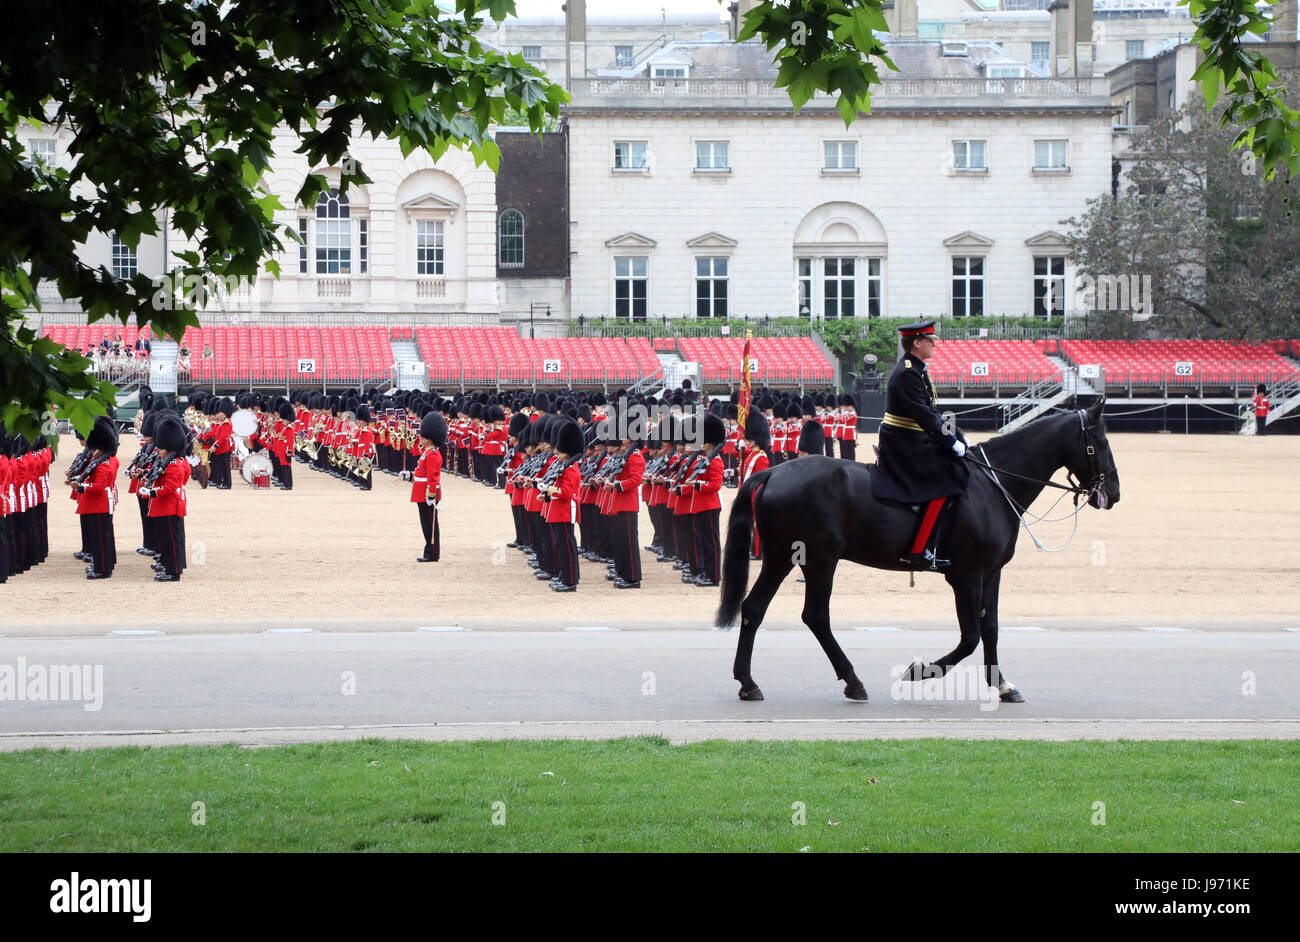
272,688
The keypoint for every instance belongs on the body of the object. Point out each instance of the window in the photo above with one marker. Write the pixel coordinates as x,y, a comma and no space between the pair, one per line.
630,155
838,286
1006,71
1040,51
631,285
42,150
875,285
622,57
510,239
711,155
711,287
1133,49
1049,155
124,260
1169,99
841,155
333,234
302,245
429,247
805,277
1049,277
532,53
363,244
967,286
968,155
668,71
1124,118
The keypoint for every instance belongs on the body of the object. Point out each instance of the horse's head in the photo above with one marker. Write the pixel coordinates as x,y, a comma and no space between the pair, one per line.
1090,460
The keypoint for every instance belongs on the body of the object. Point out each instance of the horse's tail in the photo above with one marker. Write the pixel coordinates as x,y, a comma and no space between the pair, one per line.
735,557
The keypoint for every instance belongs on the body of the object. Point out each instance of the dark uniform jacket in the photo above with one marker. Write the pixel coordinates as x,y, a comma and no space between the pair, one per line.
916,460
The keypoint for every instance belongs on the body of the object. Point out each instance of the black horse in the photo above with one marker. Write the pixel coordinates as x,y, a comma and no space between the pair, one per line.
817,511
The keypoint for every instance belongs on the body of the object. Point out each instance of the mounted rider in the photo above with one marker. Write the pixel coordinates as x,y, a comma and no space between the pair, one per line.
919,460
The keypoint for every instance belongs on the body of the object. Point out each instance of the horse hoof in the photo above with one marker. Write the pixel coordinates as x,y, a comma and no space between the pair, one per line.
855,691
1011,696
751,693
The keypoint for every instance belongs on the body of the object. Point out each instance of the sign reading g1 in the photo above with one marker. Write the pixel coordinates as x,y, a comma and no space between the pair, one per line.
979,369
306,366
550,366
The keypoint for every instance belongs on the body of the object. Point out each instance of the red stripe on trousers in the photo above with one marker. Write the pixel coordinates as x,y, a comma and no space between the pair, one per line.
927,523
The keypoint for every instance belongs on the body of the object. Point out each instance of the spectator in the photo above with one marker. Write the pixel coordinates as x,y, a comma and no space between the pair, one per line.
183,358
207,351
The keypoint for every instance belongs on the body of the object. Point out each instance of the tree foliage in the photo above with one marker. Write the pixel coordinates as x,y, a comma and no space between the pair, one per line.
1213,232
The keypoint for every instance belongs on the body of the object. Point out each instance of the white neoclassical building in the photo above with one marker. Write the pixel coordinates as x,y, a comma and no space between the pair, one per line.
420,238
695,192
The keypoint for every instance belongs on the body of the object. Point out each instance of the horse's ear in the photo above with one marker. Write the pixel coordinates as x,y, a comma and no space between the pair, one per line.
1094,413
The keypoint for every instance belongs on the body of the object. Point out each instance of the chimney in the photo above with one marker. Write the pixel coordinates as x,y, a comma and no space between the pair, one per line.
1071,24
738,9
1283,29
901,16
575,41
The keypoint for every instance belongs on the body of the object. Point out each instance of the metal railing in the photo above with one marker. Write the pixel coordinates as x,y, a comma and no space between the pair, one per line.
684,327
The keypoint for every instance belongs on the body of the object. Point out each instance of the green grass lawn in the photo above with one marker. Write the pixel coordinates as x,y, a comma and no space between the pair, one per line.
643,794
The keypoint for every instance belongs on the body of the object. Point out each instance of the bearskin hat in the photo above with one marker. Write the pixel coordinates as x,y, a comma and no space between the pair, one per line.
148,424
568,438
286,412
434,428
363,413
812,438
715,432
518,422
494,413
103,435
757,430
169,434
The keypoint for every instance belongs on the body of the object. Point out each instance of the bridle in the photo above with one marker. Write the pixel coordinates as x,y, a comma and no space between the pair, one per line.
1096,474
1096,480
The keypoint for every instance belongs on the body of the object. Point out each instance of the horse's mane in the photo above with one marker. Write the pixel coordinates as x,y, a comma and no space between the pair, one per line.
1032,431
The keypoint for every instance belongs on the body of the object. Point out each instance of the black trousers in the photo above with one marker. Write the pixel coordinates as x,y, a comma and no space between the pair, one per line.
564,548
777,457
587,532
542,543
668,530
828,447
624,545
103,543
286,475
521,530
429,527
708,546
4,549
170,532
221,469
147,526
1261,424
848,449
42,530
685,539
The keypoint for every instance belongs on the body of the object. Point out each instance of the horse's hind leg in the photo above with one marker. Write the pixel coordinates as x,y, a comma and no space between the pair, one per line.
968,592
775,569
817,616
1007,691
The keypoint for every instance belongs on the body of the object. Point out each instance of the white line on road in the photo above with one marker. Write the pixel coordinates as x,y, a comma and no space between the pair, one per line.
1166,629
135,632
590,628
291,631
441,628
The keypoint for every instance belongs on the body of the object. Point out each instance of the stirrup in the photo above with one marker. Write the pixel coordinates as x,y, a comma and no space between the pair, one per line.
926,562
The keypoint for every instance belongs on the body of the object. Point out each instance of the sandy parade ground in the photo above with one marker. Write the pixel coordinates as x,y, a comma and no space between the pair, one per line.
1204,536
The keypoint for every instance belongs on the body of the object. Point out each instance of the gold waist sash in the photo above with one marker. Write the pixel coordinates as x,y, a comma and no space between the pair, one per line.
899,421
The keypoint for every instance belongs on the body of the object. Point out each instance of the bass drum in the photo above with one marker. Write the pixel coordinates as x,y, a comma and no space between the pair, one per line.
256,470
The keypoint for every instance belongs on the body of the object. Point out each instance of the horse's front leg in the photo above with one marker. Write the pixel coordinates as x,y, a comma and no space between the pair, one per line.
1007,691
968,591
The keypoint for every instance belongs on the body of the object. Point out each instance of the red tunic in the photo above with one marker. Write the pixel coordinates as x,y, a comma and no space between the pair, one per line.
427,477
169,490
563,507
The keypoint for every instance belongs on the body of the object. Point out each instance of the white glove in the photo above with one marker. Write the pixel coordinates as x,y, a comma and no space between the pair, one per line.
431,502
404,475
960,448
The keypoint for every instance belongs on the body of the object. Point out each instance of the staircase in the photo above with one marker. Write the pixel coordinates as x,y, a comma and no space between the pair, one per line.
411,371
1287,397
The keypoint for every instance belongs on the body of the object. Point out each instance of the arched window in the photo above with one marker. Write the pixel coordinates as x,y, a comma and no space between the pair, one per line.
333,234
510,239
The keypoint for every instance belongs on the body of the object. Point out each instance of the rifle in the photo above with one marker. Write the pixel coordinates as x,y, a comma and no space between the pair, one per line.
699,468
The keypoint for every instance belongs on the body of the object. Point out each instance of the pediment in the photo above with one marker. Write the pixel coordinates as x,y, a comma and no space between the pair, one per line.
968,240
431,202
1053,240
631,240
711,240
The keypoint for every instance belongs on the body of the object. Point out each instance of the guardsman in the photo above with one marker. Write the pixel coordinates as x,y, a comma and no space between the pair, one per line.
625,508
706,506
426,483
812,438
166,493
1261,409
495,443
920,459
561,499
96,495
758,439
847,429
518,422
